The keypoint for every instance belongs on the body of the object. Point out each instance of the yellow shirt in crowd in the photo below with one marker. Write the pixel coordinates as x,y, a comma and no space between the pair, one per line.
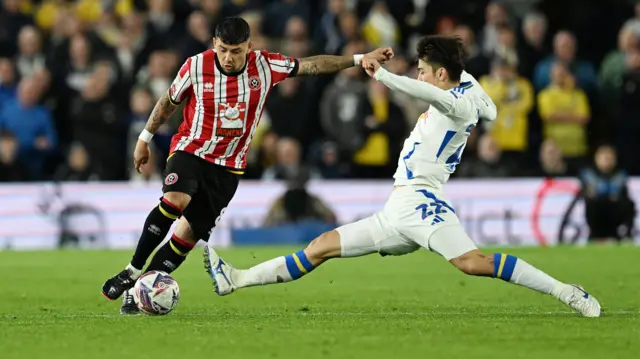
514,101
570,137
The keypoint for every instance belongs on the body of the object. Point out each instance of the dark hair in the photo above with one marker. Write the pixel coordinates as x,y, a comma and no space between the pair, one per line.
443,51
233,30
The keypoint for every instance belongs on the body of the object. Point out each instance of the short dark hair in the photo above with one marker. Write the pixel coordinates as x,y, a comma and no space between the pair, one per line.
233,30
443,51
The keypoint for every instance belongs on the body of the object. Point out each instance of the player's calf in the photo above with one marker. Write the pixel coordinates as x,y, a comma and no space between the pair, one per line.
278,270
173,253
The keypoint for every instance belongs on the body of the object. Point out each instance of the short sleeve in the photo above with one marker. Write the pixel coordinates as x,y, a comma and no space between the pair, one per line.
281,66
181,86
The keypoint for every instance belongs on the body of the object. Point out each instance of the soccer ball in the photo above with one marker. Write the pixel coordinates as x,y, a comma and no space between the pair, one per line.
156,293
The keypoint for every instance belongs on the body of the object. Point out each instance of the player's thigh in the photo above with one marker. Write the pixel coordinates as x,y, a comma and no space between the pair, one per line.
217,187
450,241
370,235
424,216
181,179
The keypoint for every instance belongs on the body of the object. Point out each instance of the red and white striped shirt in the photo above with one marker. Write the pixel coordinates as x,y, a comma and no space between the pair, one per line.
223,110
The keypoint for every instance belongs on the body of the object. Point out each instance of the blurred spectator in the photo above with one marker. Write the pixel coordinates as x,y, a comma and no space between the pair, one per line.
477,64
564,51
610,211
290,111
141,104
614,66
384,129
162,21
329,162
11,21
551,162
506,46
565,111
157,76
328,36
496,18
380,28
11,168
288,162
628,127
532,47
32,125
79,167
30,56
7,81
99,125
514,98
298,205
278,13
199,37
489,163
343,106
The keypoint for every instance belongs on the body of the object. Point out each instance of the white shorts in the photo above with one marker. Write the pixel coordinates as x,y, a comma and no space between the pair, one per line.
413,217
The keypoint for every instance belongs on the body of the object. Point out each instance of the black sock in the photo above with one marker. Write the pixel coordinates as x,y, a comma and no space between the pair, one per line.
155,230
170,256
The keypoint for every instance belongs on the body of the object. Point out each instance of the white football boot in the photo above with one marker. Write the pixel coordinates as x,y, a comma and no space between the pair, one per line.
219,271
579,300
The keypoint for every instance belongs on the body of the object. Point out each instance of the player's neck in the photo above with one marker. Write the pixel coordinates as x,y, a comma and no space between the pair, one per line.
232,73
449,85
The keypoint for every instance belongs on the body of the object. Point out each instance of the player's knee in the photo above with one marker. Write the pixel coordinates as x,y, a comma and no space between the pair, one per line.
324,247
178,199
474,263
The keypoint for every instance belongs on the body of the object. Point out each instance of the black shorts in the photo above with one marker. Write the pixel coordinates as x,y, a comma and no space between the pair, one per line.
210,186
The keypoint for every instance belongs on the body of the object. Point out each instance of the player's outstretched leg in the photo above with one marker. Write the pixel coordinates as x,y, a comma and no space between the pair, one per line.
454,244
155,229
227,279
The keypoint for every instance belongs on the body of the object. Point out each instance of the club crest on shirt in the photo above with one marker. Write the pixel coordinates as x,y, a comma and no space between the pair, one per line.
171,179
254,83
231,119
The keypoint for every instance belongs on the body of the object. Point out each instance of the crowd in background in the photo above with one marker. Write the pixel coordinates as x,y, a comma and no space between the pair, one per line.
78,79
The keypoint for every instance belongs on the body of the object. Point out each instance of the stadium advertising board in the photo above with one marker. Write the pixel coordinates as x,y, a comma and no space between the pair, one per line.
99,215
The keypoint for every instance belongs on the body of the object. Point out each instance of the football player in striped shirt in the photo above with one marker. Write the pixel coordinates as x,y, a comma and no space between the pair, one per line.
225,90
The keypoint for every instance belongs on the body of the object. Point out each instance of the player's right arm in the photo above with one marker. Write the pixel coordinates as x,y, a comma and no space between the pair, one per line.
162,111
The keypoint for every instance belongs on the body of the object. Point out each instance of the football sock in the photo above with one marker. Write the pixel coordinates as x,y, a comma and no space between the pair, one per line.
514,270
277,270
155,230
170,256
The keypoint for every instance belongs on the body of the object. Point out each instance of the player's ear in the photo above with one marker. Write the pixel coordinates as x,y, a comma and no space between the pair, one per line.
250,46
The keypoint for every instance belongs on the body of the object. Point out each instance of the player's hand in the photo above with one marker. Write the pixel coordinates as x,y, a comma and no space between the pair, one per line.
382,55
140,155
370,66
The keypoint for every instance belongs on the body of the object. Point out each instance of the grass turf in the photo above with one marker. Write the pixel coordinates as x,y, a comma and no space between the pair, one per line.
402,307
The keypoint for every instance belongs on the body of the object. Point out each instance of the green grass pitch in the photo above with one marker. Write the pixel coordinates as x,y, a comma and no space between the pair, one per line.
415,306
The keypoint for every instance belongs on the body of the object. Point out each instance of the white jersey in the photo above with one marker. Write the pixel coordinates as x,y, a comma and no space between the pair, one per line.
434,147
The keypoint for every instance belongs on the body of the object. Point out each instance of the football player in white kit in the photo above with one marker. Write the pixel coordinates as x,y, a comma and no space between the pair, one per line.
417,214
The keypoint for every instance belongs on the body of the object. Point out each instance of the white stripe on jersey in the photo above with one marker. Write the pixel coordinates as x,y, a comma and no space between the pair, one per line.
263,66
246,96
219,82
195,71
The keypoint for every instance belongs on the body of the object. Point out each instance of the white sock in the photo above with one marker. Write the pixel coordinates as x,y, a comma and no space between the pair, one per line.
526,275
269,272
135,272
